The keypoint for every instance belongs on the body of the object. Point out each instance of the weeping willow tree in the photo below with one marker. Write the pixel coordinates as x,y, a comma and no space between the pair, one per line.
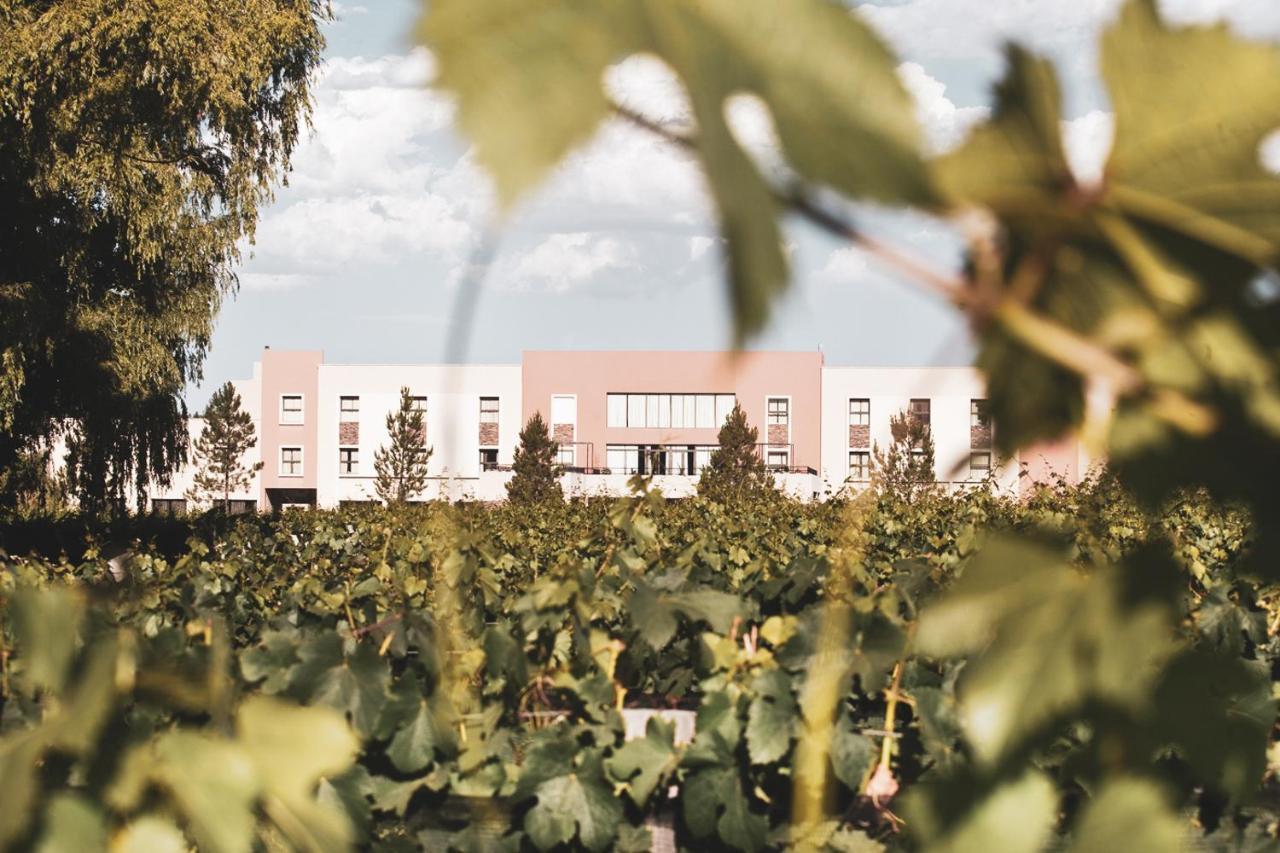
138,142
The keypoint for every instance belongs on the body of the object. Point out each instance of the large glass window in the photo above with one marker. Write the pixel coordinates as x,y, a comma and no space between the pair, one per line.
859,411
617,406
779,411
564,409
668,411
488,410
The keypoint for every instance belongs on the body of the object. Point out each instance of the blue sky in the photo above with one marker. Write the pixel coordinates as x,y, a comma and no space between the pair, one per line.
362,254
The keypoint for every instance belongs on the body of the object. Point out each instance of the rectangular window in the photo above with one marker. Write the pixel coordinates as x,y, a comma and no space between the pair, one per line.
702,458
651,410
724,405
664,411
348,461
979,414
488,458
291,461
706,411
920,411
677,411
779,411
778,460
564,409
291,408
565,456
617,407
348,409
419,404
635,410
980,464
169,506
859,411
859,465
690,410
488,410
622,458
243,507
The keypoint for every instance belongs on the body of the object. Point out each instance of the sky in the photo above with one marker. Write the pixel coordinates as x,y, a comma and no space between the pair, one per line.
366,250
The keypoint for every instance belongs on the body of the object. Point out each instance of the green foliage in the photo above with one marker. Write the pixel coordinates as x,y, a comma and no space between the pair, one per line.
537,474
401,465
905,470
127,197
219,451
735,467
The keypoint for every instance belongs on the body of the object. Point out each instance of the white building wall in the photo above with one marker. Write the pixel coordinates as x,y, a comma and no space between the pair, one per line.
890,390
453,395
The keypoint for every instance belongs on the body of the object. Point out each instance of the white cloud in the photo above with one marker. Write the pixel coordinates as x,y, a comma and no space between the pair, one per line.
563,261
944,123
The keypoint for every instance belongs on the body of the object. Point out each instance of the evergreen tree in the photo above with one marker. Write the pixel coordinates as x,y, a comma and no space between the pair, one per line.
736,467
905,469
401,466
537,476
219,451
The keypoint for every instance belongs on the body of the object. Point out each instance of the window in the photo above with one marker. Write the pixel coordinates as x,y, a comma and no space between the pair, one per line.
920,411
348,461
859,412
291,461
622,459
979,414
701,459
666,411
779,411
565,456
617,405
168,506
564,409
488,410
291,408
242,507
980,464
859,465
348,410
419,404
488,458
777,459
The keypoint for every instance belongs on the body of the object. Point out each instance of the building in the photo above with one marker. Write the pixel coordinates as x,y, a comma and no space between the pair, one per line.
613,414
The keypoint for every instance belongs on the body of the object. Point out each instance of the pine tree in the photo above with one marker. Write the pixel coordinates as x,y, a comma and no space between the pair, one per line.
736,467
401,465
219,451
537,476
905,469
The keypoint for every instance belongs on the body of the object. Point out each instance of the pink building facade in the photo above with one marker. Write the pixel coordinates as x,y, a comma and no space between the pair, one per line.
613,414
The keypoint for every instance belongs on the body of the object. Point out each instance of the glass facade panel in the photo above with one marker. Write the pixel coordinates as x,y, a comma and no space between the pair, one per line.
617,405
724,405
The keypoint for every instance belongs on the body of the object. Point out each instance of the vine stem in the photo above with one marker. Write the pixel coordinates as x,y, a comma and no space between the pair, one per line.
1048,338
891,711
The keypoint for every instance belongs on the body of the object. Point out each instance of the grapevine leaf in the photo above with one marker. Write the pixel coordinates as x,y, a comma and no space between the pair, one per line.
19,758
770,717
270,661
72,824
215,785
1015,161
1056,640
1016,816
46,624
1128,814
1188,130
292,749
414,746
355,683
1225,712
852,753
714,803
655,622
580,800
528,77
643,763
